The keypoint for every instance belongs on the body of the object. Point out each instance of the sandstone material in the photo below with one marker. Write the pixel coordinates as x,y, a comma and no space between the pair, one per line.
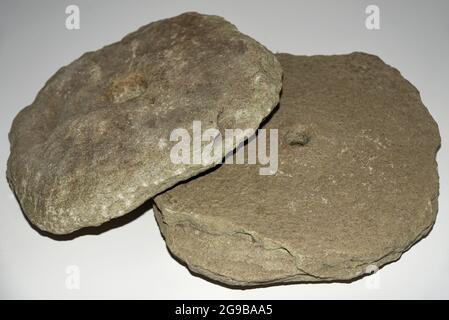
94,144
356,186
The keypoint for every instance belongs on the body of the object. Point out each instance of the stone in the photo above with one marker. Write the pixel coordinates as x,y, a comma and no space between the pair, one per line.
95,143
356,185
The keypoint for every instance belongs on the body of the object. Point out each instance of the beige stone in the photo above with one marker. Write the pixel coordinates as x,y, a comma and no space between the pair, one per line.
356,186
95,144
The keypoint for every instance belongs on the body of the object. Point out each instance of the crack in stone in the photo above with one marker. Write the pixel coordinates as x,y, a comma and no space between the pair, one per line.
194,225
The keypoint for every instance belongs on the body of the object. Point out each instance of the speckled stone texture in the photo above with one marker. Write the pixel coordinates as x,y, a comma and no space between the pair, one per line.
94,144
357,183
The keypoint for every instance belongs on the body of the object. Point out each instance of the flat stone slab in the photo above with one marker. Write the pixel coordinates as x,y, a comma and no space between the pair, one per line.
356,185
95,143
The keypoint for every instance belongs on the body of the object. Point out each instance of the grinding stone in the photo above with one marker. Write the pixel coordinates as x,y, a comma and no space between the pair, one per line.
356,186
94,144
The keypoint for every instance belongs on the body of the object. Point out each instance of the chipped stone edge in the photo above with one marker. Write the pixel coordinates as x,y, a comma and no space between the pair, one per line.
170,219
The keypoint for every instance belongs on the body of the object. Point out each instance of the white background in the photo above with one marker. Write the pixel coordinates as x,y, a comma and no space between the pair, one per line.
132,261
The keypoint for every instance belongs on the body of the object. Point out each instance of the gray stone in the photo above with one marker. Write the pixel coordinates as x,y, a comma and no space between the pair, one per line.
94,144
356,186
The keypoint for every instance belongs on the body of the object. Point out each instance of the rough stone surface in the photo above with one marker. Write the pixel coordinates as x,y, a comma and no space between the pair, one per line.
357,182
95,142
